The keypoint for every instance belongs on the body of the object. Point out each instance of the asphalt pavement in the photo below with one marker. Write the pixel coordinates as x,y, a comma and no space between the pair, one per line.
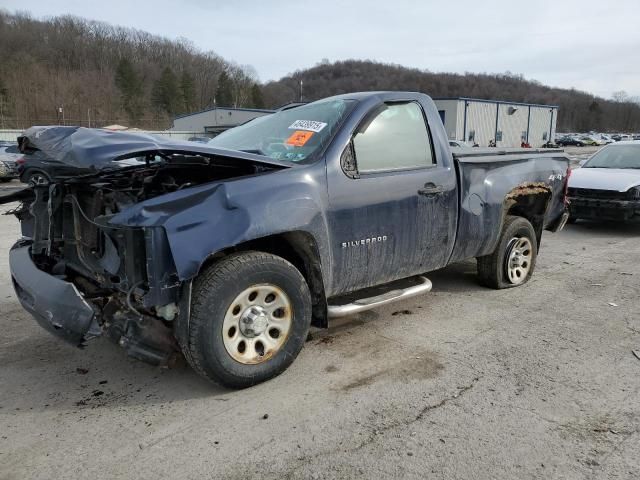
538,381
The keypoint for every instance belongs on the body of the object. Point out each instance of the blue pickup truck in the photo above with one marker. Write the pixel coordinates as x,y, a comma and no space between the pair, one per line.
225,253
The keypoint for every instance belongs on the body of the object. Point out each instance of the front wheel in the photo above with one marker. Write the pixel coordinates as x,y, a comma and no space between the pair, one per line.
250,317
514,259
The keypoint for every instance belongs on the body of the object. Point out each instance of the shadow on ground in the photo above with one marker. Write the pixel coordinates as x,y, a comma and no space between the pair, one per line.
100,375
615,230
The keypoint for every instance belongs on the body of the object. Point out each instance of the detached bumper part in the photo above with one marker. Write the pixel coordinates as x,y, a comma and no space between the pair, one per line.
56,305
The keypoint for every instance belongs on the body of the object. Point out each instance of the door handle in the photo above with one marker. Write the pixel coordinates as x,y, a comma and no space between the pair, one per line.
430,190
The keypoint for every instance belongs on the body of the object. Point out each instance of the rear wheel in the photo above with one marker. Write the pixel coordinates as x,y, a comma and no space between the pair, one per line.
5,180
250,317
514,259
36,178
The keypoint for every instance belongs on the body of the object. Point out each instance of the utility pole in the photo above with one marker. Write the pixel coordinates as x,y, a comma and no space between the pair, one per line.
89,117
301,91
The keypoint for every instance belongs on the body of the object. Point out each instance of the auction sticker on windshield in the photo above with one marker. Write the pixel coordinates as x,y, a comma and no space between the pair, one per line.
299,138
310,125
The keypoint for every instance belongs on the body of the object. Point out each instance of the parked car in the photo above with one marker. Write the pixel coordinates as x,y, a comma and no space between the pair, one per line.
9,155
227,252
459,144
36,167
607,186
199,139
591,141
570,141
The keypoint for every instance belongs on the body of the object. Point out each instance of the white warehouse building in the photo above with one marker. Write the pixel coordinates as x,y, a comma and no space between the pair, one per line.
477,121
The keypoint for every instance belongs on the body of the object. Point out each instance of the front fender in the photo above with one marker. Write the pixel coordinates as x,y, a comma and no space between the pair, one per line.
203,220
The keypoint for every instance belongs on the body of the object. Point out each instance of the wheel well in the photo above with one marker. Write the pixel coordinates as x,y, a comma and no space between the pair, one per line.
30,171
529,201
301,250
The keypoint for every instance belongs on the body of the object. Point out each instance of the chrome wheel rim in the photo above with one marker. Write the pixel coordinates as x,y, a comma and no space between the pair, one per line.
257,324
38,179
519,257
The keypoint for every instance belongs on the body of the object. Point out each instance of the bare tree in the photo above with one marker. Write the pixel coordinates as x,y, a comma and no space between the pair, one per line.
71,63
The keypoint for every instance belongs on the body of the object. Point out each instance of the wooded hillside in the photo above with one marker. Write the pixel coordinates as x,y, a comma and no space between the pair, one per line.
100,74
579,111
105,74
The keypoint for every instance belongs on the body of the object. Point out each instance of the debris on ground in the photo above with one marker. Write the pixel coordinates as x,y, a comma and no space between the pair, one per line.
611,304
636,353
328,340
82,371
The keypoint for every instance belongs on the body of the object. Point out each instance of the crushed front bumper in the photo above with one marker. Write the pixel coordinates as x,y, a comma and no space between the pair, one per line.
57,305
604,209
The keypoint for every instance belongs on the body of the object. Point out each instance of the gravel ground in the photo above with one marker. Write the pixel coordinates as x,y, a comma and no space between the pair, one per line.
465,382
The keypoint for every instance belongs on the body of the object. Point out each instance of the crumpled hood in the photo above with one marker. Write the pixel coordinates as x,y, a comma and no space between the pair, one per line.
619,180
95,148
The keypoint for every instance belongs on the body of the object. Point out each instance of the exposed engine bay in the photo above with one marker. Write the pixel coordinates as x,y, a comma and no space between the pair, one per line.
124,273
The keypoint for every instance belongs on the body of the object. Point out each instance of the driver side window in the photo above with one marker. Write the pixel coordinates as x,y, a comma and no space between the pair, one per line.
396,139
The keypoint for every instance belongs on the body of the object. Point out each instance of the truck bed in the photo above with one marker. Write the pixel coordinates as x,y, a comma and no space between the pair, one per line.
490,178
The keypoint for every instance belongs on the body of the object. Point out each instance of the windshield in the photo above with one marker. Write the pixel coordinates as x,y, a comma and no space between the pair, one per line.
293,135
616,156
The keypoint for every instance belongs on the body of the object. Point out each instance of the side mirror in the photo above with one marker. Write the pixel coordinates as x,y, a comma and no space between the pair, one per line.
582,162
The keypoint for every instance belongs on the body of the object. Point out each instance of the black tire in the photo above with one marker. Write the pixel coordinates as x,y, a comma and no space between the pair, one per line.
213,293
492,268
30,177
5,180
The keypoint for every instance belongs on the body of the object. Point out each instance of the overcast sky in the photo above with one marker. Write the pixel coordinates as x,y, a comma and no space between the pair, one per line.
589,45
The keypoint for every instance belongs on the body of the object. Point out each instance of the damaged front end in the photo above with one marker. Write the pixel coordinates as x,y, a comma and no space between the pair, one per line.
82,276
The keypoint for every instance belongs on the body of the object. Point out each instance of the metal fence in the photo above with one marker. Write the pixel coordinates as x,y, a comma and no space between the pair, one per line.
12,135
9,135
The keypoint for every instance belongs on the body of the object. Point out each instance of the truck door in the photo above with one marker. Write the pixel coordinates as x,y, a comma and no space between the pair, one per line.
392,204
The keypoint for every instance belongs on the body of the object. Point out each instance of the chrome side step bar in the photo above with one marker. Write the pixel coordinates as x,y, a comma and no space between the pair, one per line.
363,304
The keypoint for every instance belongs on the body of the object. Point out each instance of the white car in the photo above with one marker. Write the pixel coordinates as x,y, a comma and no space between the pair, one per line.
9,154
607,186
